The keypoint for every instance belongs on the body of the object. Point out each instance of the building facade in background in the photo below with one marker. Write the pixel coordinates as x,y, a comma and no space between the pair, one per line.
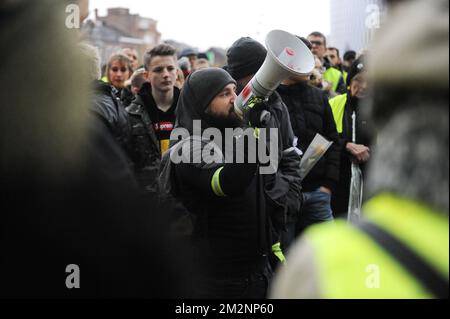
354,23
120,29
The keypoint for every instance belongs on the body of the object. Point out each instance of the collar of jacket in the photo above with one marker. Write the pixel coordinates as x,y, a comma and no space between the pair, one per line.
102,87
326,63
145,98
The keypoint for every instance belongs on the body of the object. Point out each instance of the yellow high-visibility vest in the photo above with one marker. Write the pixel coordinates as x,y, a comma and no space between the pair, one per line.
351,265
338,107
332,75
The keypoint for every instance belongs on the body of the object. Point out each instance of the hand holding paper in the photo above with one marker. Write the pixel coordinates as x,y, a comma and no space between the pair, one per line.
313,154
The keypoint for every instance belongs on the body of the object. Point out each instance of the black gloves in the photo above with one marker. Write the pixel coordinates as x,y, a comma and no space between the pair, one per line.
258,114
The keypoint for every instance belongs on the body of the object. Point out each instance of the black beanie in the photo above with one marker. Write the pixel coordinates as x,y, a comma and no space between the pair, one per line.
245,57
205,84
200,88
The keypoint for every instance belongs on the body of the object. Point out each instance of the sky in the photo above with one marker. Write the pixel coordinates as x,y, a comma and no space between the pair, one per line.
203,24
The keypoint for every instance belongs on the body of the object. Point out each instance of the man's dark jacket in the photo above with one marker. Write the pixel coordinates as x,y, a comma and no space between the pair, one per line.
311,113
283,189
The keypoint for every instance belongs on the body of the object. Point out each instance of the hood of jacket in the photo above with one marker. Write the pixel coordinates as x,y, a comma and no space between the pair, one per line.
198,91
146,99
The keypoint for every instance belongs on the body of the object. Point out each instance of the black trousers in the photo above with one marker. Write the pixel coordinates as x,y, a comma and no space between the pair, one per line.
252,285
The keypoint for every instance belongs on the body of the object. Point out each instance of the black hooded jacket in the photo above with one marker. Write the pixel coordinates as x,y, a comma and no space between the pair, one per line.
311,113
145,150
232,232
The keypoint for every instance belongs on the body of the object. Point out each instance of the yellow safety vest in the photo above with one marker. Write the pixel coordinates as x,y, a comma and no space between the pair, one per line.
338,107
351,265
332,75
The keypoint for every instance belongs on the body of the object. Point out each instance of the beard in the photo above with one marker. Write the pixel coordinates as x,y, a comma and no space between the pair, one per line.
223,121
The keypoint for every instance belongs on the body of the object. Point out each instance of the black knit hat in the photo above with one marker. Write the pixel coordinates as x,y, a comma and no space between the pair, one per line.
200,88
245,57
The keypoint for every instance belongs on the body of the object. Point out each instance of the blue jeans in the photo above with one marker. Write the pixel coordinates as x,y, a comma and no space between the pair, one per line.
316,208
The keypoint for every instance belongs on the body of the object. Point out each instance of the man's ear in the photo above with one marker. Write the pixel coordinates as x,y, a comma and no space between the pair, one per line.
146,75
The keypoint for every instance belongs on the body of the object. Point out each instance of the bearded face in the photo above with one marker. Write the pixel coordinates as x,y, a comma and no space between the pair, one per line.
221,112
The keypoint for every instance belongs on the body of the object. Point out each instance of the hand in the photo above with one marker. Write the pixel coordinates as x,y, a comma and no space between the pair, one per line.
359,152
324,189
258,114
326,86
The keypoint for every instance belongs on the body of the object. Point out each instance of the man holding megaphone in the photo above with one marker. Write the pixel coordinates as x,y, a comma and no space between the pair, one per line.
258,72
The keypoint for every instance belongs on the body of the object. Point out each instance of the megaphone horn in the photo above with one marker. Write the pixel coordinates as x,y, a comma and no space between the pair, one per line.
286,55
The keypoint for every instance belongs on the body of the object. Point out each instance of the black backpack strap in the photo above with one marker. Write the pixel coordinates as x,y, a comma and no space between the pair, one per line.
415,264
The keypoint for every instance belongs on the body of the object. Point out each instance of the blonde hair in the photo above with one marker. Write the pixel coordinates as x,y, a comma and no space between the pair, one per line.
121,58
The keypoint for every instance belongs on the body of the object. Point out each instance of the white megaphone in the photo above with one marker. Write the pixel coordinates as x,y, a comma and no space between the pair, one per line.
286,55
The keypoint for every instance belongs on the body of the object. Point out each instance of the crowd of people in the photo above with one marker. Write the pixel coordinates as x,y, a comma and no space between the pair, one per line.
88,175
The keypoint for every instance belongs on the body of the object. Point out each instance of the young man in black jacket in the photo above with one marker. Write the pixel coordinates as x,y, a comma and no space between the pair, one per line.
310,114
152,114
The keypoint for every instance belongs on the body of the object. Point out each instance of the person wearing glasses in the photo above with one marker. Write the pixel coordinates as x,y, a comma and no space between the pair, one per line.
319,48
